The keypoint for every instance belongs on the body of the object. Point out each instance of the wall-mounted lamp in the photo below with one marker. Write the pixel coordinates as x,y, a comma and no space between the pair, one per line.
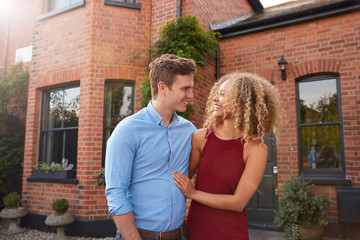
282,64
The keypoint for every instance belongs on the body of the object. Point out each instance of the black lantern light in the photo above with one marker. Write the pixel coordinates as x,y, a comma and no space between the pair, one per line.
282,64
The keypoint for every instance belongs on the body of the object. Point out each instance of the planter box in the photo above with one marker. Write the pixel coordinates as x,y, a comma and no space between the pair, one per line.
57,174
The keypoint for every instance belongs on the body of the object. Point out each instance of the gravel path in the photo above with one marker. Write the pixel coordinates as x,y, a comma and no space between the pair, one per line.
30,234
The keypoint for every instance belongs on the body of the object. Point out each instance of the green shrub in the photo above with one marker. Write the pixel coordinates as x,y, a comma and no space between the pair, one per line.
299,207
12,200
13,83
185,38
60,205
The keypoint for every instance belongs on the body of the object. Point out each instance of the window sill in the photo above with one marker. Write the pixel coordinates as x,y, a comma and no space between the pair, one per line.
53,180
61,10
334,181
135,6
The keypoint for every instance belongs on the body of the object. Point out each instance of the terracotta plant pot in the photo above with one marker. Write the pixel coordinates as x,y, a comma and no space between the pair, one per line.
315,232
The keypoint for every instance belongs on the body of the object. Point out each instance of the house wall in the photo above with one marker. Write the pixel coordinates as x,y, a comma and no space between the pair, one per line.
84,46
87,46
329,45
210,11
13,34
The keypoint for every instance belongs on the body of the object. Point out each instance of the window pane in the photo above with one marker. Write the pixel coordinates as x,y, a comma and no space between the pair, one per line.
61,110
71,107
107,133
53,5
63,3
58,4
128,1
318,101
53,147
71,139
55,104
119,103
321,147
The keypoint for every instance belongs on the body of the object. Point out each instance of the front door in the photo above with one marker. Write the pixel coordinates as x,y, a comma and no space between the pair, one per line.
261,206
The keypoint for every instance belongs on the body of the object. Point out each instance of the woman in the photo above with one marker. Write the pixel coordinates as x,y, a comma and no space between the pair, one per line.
230,163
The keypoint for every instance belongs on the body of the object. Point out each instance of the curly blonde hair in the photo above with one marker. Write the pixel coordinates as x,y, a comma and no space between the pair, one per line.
254,102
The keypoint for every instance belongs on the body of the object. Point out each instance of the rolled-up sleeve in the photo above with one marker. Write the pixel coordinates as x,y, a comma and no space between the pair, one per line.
120,152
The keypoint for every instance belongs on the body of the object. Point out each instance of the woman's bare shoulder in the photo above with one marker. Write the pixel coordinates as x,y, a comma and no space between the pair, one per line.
201,132
256,149
199,136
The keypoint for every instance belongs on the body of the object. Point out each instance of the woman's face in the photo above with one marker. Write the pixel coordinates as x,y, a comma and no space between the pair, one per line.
219,100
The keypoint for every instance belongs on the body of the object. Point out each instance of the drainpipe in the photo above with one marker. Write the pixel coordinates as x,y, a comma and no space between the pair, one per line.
178,6
217,65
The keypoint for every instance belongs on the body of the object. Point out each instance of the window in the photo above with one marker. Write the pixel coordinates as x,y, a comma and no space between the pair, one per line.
56,7
123,3
58,4
320,129
59,125
119,103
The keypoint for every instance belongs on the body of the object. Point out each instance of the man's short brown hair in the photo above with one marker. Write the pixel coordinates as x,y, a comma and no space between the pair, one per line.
166,67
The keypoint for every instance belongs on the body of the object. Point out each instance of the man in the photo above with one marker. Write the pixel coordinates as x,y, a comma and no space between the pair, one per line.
142,152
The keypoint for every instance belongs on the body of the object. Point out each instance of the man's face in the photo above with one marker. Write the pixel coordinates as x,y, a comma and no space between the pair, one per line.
181,92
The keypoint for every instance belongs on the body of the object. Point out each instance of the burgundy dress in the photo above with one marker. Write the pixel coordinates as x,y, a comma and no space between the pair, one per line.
220,169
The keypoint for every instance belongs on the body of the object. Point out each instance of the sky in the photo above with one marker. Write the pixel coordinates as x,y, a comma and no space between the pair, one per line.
311,92
269,3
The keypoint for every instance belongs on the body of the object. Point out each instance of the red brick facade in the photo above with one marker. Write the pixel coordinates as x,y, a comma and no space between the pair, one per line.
93,43
96,47
330,45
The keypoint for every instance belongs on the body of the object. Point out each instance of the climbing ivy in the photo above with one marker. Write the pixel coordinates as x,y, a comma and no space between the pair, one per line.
183,37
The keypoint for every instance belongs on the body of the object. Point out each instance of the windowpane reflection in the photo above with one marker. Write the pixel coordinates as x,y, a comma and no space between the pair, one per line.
119,103
53,147
318,101
55,104
71,107
321,147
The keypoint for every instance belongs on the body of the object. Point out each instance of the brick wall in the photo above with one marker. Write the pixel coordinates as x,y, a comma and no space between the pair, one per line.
85,46
326,46
13,34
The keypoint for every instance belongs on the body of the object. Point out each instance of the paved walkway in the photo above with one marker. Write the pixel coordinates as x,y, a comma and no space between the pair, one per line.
255,234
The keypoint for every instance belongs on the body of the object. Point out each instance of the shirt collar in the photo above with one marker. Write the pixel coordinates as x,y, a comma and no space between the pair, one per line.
158,119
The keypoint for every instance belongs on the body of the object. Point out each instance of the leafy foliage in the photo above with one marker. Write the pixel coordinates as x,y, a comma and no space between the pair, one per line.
12,200
100,177
12,129
43,166
183,37
60,205
298,206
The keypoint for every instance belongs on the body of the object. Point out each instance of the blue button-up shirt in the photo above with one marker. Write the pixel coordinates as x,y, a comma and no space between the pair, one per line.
140,156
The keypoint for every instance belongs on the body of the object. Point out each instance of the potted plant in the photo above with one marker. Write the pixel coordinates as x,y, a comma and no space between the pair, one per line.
60,218
54,170
13,212
301,213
